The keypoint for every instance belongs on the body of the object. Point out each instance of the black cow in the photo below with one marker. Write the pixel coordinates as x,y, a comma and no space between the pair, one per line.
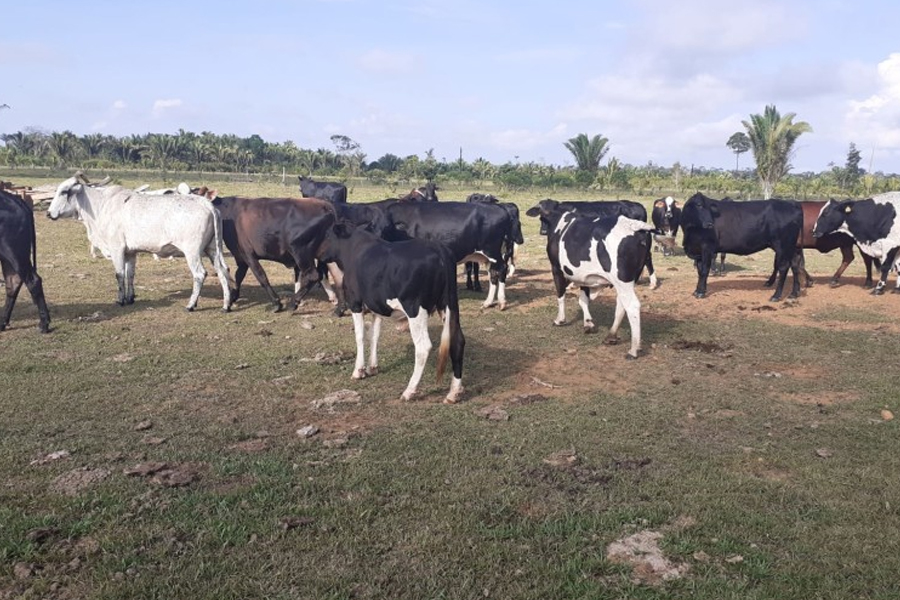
472,266
873,223
666,217
284,230
425,193
336,193
416,277
743,228
592,252
18,257
471,231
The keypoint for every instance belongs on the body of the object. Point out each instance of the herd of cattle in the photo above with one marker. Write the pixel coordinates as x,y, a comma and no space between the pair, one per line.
400,254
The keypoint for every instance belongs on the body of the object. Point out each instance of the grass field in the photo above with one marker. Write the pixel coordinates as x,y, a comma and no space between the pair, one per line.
752,443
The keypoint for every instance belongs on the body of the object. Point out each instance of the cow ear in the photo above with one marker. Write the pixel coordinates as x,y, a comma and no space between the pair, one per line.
659,204
534,211
676,204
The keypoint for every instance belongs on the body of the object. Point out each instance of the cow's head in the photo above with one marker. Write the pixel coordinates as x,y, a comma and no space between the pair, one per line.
832,217
699,212
547,211
63,203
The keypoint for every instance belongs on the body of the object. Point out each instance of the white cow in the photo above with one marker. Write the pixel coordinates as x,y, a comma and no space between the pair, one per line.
121,223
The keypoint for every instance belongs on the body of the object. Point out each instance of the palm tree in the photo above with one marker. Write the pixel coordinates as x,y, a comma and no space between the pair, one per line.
772,138
163,148
588,152
93,144
64,147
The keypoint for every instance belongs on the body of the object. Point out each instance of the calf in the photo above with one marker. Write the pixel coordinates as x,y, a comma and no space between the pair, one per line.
824,244
593,252
18,257
471,231
284,230
873,223
742,228
415,277
335,193
666,217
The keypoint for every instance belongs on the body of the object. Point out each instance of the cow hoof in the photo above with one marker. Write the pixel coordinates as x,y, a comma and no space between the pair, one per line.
226,309
372,371
409,395
453,397
699,295
589,328
477,287
189,308
775,298
630,356
3,326
877,291
277,307
42,328
488,305
559,323
130,300
359,374
611,340
469,285
834,283
502,306
793,296
120,302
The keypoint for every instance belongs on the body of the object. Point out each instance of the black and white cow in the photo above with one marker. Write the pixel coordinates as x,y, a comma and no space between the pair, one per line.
743,228
593,252
414,277
472,232
875,226
336,193
666,217
18,257
473,267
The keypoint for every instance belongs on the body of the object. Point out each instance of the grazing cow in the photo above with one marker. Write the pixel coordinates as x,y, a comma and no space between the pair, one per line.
18,257
471,231
122,223
666,217
335,193
875,226
743,228
825,244
592,252
415,277
284,230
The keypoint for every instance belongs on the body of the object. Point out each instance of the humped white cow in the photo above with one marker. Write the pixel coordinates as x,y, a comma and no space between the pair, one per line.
121,223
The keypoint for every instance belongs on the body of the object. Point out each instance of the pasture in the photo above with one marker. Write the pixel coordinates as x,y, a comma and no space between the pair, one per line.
753,441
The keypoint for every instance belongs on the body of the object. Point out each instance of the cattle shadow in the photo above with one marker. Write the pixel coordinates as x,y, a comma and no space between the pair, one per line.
95,312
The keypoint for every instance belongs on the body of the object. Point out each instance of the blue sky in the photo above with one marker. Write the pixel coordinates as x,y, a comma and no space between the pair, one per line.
664,81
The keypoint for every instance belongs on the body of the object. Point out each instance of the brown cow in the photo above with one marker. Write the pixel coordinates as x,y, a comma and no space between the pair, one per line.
284,230
826,244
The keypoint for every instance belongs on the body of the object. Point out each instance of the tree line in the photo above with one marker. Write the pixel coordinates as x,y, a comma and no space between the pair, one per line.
770,136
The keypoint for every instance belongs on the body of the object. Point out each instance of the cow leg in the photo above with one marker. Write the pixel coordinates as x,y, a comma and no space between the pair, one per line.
223,273
118,260
783,265
359,330
560,283
418,329
130,263
323,279
470,271
584,302
771,280
263,280
654,282
707,258
631,305
886,266
846,258
867,261
13,284
338,276
373,346
457,343
199,276
309,277
492,293
512,261
36,288
239,275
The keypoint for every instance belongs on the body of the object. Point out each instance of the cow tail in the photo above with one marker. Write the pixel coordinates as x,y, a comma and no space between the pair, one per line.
218,232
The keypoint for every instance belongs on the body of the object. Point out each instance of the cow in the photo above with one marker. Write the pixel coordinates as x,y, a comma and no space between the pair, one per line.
548,209
742,228
666,217
425,193
473,267
471,231
284,230
824,244
591,252
415,277
122,223
335,193
18,257
873,223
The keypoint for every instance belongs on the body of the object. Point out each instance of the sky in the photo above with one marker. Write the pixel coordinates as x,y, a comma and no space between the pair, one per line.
507,81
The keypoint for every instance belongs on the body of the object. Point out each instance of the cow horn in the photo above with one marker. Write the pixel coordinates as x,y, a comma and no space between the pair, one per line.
79,176
104,181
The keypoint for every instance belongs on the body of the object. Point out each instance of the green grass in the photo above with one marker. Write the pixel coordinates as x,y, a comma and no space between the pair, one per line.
426,500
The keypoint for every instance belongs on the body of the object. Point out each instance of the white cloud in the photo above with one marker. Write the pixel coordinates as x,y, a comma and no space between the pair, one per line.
526,139
160,107
119,105
875,121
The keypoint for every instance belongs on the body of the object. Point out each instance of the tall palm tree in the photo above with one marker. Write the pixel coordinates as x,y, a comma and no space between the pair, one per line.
64,146
93,144
588,152
772,138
